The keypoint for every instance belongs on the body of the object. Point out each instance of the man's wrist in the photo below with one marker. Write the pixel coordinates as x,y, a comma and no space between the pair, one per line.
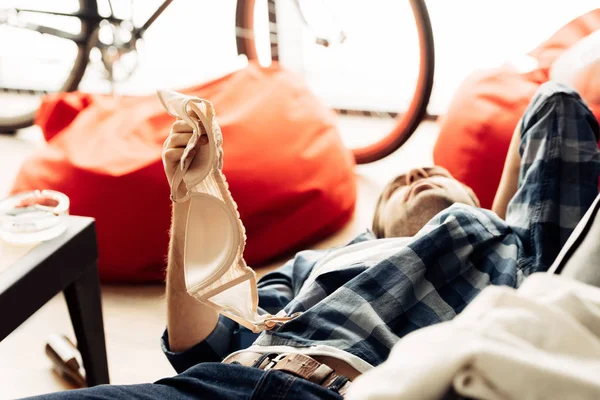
176,281
175,268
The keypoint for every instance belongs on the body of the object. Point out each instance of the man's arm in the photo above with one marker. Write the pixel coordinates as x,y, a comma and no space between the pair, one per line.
510,175
558,173
188,321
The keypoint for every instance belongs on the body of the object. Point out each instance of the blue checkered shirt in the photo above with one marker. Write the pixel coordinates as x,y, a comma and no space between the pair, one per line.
365,310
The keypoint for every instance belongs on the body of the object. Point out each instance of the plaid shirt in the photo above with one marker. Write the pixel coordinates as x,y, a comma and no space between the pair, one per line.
365,310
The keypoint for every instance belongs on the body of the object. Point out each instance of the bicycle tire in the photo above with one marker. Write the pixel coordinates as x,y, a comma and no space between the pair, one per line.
407,122
12,123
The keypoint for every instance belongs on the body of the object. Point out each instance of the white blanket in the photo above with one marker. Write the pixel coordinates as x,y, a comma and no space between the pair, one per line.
541,341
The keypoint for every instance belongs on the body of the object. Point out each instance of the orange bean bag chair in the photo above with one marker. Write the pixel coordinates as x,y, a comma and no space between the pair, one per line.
287,168
476,131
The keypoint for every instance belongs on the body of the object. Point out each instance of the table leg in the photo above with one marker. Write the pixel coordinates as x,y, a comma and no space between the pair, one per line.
85,307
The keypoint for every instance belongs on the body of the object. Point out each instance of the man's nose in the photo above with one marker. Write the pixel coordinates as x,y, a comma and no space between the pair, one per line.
415,175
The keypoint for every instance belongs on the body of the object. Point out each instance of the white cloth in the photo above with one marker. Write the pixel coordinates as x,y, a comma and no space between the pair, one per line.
541,341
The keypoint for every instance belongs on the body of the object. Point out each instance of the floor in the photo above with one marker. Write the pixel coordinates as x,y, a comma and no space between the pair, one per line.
134,316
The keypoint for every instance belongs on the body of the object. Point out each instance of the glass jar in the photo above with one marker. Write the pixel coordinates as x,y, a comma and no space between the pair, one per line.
33,216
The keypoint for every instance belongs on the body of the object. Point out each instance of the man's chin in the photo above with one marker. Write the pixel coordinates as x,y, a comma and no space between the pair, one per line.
428,203
433,195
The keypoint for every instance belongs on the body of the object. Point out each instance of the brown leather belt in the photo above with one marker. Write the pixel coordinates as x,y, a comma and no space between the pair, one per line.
299,365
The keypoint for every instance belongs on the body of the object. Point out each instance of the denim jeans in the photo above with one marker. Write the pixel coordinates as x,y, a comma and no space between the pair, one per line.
209,381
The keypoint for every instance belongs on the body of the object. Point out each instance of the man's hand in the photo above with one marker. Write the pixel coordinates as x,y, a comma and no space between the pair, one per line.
174,146
188,321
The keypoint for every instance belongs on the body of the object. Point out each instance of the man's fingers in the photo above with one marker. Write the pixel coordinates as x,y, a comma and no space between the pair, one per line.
173,155
178,140
181,133
181,126
182,139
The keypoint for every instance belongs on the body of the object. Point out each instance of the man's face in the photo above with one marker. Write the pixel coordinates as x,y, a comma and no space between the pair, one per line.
412,199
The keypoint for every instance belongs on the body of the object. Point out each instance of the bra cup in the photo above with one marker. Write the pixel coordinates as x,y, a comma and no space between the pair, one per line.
212,240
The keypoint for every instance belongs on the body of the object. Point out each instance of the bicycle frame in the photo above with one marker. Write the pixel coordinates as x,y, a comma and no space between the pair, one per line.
93,17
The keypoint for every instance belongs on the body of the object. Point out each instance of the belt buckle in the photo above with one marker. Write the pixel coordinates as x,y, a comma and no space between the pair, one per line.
275,360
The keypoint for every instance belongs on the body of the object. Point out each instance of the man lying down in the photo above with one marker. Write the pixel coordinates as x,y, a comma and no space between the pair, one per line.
431,251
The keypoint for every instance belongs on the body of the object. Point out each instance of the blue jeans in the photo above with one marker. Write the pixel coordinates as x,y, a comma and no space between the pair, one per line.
209,381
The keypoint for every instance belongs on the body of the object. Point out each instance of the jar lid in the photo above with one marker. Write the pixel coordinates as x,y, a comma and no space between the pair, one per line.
33,216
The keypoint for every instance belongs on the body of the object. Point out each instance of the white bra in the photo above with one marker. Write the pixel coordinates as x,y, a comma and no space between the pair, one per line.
215,271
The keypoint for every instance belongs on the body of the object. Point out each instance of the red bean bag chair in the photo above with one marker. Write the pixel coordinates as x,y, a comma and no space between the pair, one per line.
579,67
476,131
287,168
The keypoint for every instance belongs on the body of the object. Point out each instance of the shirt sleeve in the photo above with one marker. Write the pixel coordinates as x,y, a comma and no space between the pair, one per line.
558,179
213,349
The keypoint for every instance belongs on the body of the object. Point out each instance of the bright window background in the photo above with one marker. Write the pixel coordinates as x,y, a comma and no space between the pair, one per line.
193,41
375,69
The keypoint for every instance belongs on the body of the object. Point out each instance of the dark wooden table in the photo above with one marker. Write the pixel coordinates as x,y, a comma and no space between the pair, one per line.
67,263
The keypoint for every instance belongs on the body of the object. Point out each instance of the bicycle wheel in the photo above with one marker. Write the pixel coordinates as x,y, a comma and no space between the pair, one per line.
257,23
35,59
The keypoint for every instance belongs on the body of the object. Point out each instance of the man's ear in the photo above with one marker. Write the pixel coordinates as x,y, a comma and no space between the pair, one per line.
376,227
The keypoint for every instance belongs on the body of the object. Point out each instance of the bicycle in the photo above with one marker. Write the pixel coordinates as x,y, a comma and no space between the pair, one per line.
75,32
406,122
80,29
